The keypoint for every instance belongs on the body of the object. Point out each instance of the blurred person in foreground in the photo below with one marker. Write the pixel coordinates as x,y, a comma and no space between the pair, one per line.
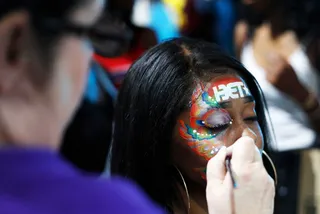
88,135
44,60
116,42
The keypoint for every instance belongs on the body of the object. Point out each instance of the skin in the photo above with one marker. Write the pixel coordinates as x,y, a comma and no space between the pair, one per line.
227,120
272,54
34,108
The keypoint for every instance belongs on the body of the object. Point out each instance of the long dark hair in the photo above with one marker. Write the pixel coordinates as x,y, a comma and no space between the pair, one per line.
156,90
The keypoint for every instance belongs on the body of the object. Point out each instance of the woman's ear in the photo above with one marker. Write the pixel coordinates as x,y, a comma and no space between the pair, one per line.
14,31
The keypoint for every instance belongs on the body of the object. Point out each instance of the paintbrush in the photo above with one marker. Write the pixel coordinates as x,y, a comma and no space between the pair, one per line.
228,165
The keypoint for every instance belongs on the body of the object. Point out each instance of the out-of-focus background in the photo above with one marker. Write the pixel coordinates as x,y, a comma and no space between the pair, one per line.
278,41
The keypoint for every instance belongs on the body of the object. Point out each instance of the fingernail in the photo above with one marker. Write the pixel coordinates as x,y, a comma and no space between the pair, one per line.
223,149
248,133
216,151
245,132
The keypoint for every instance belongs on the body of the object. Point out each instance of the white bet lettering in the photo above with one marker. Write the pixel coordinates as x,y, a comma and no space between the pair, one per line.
232,90
221,93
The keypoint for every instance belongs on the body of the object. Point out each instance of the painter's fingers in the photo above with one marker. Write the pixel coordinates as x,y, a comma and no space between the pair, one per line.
245,151
216,170
219,185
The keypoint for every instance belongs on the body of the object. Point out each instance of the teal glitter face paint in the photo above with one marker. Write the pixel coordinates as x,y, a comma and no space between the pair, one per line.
208,120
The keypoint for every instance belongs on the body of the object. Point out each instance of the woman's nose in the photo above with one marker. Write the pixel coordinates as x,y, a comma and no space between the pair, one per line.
239,131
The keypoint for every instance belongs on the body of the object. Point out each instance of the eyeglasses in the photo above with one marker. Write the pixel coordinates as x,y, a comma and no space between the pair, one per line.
57,26
52,26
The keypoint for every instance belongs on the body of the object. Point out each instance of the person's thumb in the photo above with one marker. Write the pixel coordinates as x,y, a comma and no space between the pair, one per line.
243,152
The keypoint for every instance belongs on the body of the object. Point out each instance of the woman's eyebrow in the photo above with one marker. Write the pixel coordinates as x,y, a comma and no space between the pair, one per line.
225,104
228,104
248,99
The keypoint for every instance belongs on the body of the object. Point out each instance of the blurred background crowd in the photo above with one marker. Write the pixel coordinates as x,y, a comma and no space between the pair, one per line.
278,41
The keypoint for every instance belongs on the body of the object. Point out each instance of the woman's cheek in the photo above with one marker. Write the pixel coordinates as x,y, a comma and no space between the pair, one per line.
207,149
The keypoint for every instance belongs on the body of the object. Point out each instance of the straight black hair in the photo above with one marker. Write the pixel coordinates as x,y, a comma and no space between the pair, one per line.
156,90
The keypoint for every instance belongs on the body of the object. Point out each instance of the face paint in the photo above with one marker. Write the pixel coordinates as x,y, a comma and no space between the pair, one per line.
202,143
202,171
205,116
208,121
230,88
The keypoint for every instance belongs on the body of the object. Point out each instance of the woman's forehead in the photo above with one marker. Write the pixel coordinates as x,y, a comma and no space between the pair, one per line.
222,88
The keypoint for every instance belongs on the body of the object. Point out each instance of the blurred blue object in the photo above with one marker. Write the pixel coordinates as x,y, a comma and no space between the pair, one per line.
97,76
224,14
92,90
162,22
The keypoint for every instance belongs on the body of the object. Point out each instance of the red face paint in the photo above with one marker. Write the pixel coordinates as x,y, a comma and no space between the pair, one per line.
227,89
208,121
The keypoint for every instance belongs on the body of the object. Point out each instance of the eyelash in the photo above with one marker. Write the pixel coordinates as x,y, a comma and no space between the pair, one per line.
252,119
221,127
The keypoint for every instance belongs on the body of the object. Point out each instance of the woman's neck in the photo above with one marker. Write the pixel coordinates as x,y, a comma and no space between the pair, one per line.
197,199
28,126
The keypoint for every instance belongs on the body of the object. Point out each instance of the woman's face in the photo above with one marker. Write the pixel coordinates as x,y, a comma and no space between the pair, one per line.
220,111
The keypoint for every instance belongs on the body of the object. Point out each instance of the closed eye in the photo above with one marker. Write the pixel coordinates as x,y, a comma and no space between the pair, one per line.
251,119
218,127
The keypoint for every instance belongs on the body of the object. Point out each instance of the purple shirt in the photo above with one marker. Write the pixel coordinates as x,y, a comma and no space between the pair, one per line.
39,181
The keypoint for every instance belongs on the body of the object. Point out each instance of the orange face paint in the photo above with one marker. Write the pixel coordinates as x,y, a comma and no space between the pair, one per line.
208,120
